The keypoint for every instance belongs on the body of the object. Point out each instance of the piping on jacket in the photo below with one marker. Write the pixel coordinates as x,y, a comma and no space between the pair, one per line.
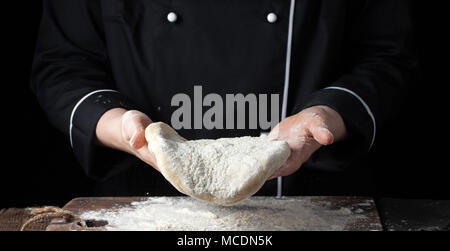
76,107
286,80
365,106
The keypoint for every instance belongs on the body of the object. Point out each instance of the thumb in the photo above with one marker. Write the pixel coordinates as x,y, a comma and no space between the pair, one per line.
138,140
321,133
133,128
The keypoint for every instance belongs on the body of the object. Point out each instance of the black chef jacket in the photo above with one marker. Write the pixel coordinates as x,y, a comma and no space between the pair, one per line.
94,55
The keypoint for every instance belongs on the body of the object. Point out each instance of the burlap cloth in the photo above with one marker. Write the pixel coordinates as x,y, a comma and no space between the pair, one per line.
38,219
12,219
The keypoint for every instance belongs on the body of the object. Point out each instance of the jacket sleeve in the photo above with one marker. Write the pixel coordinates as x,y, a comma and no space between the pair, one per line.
382,63
71,77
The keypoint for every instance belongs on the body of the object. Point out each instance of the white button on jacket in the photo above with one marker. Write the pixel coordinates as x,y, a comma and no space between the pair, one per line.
272,18
172,17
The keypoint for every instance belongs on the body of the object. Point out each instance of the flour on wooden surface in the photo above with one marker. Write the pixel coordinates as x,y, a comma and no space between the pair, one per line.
254,214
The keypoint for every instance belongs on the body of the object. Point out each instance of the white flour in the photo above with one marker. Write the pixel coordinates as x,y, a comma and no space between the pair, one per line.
254,214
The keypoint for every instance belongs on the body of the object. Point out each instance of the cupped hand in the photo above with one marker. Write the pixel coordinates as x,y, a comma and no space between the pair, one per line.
125,131
305,133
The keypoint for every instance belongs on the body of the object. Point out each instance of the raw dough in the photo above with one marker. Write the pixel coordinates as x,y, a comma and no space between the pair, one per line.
223,171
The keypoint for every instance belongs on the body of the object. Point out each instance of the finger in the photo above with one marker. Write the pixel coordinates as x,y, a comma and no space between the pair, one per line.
128,127
323,136
148,157
320,132
133,128
138,140
137,119
275,175
275,133
284,170
142,120
280,173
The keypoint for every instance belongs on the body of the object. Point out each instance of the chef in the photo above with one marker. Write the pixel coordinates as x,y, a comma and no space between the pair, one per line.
334,72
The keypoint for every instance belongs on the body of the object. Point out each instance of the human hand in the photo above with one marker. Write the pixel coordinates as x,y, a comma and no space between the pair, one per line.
125,131
305,133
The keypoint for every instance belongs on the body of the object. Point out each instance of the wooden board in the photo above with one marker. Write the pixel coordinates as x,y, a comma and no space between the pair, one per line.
365,207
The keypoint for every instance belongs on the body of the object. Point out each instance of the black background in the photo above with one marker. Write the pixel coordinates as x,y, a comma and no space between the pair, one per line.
37,166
